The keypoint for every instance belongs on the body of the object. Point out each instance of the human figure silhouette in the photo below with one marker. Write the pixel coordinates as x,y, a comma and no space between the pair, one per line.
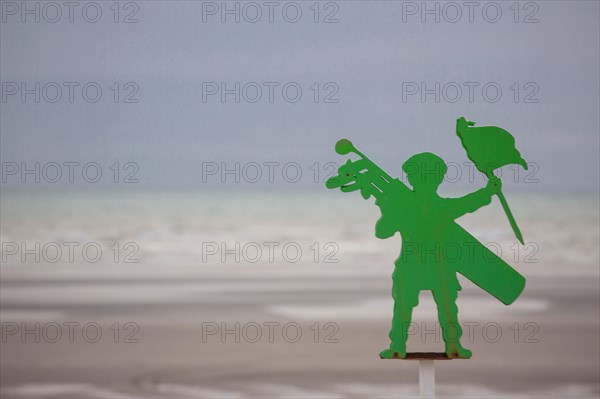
426,223
434,246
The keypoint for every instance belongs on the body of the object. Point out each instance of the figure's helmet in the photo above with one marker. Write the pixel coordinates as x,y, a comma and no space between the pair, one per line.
425,171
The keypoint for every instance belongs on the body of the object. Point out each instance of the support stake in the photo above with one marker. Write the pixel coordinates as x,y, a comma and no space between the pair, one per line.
427,378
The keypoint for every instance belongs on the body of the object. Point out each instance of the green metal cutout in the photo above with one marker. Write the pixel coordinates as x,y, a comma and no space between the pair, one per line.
434,246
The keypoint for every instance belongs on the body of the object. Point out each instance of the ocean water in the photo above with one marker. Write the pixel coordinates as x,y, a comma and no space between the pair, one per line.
561,231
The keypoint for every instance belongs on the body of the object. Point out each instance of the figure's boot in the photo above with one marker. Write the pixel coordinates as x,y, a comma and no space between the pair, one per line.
455,350
398,337
404,301
393,353
451,330
452,333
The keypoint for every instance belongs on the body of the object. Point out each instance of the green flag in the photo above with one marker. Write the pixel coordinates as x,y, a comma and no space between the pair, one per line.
491,147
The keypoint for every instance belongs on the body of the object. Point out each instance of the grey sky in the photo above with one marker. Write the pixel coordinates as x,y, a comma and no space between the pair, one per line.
368,55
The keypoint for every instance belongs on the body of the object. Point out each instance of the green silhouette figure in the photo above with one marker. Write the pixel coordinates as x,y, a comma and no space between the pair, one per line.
434,246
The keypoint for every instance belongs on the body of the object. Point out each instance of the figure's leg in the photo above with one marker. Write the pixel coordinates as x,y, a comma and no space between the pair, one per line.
445,300
405,299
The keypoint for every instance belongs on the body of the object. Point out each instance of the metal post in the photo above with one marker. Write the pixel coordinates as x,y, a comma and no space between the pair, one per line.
427,378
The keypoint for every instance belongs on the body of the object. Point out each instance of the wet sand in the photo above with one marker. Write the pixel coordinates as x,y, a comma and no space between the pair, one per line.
175,309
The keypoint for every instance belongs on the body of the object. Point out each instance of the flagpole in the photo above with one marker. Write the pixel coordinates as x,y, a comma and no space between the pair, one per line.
509,215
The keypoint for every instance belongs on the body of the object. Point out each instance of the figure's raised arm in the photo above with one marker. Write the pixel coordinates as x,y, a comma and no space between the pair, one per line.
475,200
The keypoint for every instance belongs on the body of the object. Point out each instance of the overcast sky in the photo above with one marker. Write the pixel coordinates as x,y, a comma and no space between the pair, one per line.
371,61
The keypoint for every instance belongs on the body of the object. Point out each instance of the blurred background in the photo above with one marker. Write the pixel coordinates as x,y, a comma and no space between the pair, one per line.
165,227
